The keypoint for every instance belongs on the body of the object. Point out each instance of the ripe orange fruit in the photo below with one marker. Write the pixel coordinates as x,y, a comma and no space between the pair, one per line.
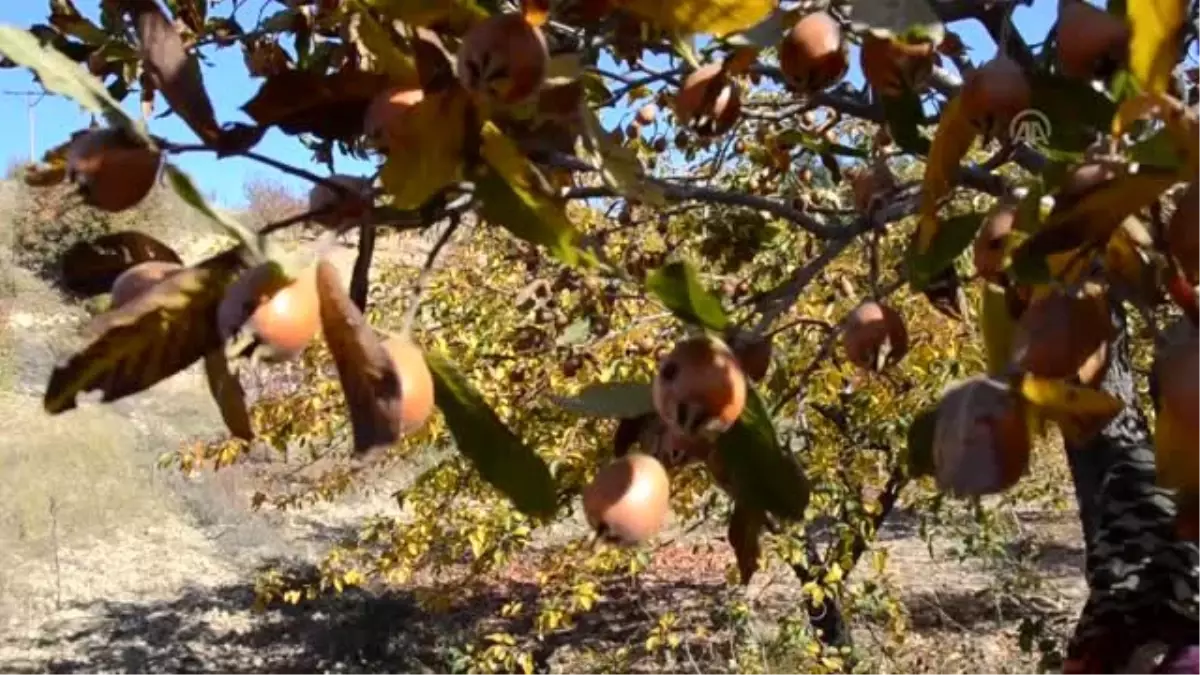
1091,42
340,208
503,58
629,499
388,120
139,278
416,383
282,314
991,243
709,101
113,172
811,55
647,114
871,328
699,388
994,94
1064,335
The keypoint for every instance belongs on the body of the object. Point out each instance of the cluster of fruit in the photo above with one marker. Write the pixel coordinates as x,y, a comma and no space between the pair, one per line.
282,316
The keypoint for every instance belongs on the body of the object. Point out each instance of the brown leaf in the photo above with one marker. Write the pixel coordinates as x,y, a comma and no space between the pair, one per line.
157,334
745,527
331,106
91,267
369,379
228,394
175,72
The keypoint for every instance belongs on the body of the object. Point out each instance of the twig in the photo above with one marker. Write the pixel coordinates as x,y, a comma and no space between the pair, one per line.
418,292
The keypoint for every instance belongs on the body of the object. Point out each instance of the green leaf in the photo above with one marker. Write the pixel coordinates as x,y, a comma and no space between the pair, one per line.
919,450
953,236
763,475
619,166
188,191
610,400
1028,267
501,458
1158,149
903,115
1074,111
510,198
677,285
61,75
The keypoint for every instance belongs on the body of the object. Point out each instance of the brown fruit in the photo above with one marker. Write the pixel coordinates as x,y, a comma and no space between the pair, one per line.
869,184
646,114
811,55
97,63
503,58
113,172
709,101
629,499
282,314
416,383
1064,334
660,144
994,94
981,438
341,208
671,449
1091,42
1183,235
992,241
892,66
870,329
139,278
699,388
753,353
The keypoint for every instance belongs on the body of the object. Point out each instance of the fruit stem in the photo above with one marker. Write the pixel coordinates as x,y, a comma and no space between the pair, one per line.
414,303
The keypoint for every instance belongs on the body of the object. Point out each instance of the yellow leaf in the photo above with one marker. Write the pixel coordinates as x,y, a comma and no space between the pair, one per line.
1079,411
1176,451
385,56
1153,45
458,14
428,152
997,326
716,17
954,137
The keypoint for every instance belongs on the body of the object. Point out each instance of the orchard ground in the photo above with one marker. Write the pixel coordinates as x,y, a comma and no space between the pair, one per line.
109,562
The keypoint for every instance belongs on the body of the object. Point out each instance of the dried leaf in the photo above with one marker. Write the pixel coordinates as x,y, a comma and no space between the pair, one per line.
174,71
228,394
157,334
745,527
91,267
368,377
331,106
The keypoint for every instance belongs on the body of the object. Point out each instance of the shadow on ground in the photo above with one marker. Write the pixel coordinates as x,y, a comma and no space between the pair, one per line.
213,630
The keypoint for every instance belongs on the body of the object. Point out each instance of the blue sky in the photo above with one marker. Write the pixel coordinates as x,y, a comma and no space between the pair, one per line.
230,87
